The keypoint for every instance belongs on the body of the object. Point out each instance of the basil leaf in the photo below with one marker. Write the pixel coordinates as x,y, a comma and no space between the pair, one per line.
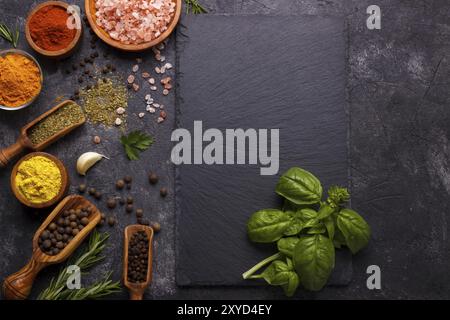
299,186
268,225
354,228
296,225
308,217
313,260
287,245
291,286
325,211
329,225
339,239
319,229
277,273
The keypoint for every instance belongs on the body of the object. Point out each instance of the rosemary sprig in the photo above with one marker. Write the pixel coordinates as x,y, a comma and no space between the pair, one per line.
97,290
194,6
57,290
8,35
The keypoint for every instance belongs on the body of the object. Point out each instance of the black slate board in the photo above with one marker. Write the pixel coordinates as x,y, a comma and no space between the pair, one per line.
285,72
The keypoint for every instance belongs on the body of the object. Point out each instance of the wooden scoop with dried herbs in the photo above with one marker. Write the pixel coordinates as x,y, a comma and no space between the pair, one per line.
307,231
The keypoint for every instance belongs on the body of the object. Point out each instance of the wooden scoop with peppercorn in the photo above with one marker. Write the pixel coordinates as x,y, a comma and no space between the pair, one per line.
138,257
44,130
55,240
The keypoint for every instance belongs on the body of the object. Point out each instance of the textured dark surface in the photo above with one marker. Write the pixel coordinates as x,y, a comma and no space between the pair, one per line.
299,90
399,153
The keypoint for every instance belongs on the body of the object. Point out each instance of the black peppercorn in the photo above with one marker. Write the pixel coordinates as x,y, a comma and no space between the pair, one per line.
98,195
130,200
139,213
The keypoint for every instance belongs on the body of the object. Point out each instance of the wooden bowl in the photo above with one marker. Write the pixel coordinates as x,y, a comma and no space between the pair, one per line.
18,285
102,34
29,56
62,191
63,53
137,289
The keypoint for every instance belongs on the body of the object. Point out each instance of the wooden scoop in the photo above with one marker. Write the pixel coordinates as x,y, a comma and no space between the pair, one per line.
18,285
137,289
23,142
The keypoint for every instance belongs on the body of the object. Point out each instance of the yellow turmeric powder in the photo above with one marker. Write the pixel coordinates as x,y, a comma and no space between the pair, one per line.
20,80
39,179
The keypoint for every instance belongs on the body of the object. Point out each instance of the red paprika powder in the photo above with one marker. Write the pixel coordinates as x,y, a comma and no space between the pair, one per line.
48,28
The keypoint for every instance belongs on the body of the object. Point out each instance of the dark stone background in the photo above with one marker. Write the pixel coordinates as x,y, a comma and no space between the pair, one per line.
398,96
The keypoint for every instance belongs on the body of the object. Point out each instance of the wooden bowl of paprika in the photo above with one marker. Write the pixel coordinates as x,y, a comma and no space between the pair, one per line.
47,29
39,180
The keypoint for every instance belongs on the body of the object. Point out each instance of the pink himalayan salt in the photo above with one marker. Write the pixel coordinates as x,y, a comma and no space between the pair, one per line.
134,21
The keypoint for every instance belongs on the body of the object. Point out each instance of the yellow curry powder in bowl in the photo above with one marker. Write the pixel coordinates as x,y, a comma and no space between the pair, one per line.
38,180
20,79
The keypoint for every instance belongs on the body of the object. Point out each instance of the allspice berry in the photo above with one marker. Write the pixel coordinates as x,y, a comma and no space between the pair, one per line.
82,188
163,192
120,184
153,178
111,221
129,208
156,226
139,213
111,203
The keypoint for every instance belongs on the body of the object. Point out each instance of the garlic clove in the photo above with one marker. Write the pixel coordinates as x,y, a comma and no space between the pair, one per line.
87,160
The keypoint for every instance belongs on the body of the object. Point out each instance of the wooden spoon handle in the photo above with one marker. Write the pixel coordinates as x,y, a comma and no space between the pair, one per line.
18,285
10,152
134,295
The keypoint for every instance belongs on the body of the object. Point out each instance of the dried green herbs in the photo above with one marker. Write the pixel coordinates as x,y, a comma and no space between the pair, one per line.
102,101
65,117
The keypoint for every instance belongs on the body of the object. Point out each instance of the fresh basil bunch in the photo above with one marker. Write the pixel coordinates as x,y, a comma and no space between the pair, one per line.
307,230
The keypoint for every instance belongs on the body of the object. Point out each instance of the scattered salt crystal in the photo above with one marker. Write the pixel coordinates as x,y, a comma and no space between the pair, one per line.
156,105
158,70
160,119
141,115
163,58
165,92
151,80
120,110
135,68
118,122
151,110
135,87
163,69
166,80
148,96
153,88
168,66
130,79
